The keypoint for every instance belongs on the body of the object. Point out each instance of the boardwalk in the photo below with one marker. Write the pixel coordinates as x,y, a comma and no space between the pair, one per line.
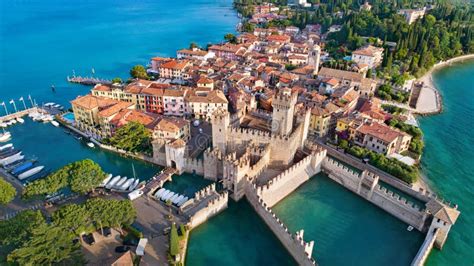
19,114
158,181
88,80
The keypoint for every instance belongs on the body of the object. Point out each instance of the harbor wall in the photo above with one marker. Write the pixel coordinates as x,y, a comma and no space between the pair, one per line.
366,185
300,250
289,180
425,248
212,208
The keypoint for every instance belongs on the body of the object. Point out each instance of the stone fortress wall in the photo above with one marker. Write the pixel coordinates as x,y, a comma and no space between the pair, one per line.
289,180
300,250
366,185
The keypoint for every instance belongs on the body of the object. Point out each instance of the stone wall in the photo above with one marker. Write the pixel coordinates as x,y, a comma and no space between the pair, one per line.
262,163
425,248
194,166
300,250
283,184
205,204
366,185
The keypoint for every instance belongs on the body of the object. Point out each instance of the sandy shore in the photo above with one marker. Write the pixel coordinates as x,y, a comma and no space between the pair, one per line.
429,101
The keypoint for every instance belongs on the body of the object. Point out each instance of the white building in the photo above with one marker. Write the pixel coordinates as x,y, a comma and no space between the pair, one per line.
369,55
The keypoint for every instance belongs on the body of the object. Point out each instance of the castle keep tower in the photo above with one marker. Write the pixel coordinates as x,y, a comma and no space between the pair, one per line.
220,123
314,55
283,111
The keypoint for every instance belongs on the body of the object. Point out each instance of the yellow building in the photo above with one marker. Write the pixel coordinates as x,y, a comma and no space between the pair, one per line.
320,120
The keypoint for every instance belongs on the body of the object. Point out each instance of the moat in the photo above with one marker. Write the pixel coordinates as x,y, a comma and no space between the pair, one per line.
337,220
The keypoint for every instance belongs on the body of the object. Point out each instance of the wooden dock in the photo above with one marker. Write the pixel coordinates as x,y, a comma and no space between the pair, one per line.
88,80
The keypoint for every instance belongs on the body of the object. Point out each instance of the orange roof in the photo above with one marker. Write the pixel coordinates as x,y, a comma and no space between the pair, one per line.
171,124
278,38
126,116
175,64
111,110
380,131
90,102
100,87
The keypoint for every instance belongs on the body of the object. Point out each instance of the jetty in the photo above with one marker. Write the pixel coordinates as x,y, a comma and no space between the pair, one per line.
20,113
88,80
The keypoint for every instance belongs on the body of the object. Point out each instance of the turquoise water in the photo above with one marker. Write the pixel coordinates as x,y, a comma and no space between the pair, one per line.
42,42
449,156
236,237
346,229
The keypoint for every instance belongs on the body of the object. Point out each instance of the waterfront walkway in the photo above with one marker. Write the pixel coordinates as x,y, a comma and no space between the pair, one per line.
18,114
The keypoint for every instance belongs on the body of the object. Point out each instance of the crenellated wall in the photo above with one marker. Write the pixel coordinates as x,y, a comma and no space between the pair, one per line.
194,166
212,208
286,182
366,185
300,250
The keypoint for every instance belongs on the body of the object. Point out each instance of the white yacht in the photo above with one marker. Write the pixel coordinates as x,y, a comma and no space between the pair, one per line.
30,172
6,146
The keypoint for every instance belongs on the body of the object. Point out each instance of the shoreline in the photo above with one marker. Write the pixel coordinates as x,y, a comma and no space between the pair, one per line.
428,83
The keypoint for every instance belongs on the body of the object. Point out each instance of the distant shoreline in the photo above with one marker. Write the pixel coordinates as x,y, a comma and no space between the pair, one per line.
427,78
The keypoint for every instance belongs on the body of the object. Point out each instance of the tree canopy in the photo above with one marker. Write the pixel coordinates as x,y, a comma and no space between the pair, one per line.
81,176
7,192
139,72
133,137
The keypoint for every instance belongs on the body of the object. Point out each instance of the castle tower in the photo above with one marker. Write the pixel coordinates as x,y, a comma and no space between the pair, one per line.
314,55
283,112
220,123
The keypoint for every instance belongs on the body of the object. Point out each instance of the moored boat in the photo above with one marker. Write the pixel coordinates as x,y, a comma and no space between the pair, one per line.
22,168
54,123
12,159
20,120
164,194
182,201
112,182
168,196
90,144
30,172
174,197
106,180
134,185
6,146
126,184
120,182
159,192
5,136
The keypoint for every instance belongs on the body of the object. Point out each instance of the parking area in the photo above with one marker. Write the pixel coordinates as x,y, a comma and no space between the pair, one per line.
103,250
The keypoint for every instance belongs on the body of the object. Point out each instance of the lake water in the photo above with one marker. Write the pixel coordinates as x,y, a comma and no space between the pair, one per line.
41,42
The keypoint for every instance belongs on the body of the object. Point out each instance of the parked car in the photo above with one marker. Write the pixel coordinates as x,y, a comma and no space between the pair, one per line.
130,241
106,231
122,249
89,239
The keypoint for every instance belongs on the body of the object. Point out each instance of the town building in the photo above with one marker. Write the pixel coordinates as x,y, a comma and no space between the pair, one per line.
382,139
369,55
411,15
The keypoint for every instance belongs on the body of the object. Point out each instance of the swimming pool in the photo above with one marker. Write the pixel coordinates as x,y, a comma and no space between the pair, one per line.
69,117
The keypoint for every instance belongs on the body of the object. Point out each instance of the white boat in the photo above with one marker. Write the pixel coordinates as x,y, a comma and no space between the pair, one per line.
106,180
172,199
14,158
90,144
3,125
127,183
135,194
6,146
169,196
165,194
21,120
54,123
112,182
134,184
182,201
30,172
159,192
409,228
56,105
120,182
13,121
178,199
5,136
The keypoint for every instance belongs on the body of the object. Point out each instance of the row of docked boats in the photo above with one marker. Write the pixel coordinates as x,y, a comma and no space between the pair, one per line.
175,198
52,105
15,162
45,118
12,122
120,183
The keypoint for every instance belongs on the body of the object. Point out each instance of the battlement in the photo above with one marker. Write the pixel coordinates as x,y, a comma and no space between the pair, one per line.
397,198
219,115
295,244
249,133
333,165
287,172
282,99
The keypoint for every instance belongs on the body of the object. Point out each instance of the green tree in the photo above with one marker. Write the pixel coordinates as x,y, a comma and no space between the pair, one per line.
85,176
116,80
73,217
48,245
15,231
139,72
132,137
193,45
174,241
230,38
7,192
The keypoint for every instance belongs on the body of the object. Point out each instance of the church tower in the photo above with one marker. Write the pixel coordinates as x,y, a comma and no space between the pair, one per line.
314,55
220,124
283,104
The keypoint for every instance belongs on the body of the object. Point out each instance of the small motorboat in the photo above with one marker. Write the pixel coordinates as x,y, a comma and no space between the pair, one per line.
172,199
6,146
165,194
409,228
5,136
120,182
112,182
8,153
106,180
14,158
159,192
178,199
30,172
134,185
13,121
126,184
90,144
56,105
20,120
22,168
54,123
182,201
4,125
169,196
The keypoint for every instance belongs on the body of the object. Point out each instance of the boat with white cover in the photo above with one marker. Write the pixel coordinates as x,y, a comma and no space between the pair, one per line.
54,123
120,182
182,201
112,182
169,196
172,199
165,194
178,199
6,146
106,180
159,192
134,184
30,172
126,184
